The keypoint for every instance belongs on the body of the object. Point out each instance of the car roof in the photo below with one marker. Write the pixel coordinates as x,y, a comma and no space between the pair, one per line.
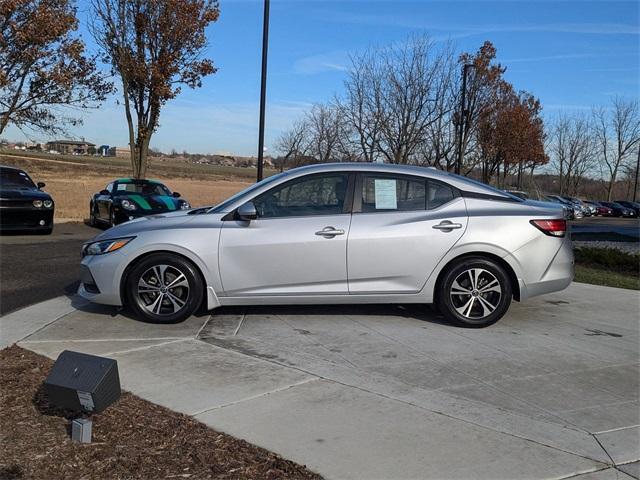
458,181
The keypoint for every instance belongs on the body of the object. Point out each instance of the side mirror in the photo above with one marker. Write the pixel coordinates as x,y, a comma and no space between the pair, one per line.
247,211
41,185
104,192
175,195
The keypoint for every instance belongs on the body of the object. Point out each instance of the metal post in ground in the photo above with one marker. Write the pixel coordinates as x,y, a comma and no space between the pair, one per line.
463,105
263,89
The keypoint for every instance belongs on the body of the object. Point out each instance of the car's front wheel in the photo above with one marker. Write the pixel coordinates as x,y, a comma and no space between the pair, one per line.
164,288
474,292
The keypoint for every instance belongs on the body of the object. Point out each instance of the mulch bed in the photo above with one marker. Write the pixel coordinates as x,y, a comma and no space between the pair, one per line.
131,439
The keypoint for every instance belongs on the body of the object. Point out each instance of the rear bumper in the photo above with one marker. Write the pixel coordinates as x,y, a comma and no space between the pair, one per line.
558,275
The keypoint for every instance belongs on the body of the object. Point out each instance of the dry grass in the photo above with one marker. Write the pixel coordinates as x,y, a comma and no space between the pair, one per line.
72,184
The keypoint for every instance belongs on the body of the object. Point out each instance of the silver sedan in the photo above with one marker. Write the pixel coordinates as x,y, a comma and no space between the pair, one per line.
337,233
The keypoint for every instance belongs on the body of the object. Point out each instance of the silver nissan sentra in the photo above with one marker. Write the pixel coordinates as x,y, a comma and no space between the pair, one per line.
337,233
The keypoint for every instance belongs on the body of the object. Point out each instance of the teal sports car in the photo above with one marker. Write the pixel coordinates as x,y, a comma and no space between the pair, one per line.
127,198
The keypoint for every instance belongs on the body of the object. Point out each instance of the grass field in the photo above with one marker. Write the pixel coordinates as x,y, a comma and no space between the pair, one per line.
607,266
72,180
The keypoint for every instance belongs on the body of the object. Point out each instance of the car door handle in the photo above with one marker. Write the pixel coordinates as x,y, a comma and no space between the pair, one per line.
447,226
330,232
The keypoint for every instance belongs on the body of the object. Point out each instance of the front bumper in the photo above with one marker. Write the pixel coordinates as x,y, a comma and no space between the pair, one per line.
26,218
100,278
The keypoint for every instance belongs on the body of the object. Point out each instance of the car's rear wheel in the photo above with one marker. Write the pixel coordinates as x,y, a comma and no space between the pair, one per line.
164,288
474,292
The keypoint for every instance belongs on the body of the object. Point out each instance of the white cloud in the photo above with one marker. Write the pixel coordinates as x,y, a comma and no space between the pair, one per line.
334,61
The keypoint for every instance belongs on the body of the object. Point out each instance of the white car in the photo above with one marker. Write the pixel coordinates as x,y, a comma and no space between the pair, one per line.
337,233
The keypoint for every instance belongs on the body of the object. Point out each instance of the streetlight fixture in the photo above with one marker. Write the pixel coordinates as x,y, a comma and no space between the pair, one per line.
463,104
263,89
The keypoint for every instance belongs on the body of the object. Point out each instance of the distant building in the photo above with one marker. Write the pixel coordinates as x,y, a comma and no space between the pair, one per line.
78,147
119,152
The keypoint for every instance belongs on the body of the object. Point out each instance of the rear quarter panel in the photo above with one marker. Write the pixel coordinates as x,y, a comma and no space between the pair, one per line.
503,229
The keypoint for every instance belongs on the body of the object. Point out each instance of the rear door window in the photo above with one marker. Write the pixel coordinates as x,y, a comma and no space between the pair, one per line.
439,194
382,193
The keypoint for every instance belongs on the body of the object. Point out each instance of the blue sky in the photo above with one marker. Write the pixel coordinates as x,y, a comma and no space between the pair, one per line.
570,54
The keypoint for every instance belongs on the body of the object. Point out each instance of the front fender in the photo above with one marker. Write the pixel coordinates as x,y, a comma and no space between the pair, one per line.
207,267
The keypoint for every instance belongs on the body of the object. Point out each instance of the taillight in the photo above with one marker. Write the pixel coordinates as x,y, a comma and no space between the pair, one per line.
553,228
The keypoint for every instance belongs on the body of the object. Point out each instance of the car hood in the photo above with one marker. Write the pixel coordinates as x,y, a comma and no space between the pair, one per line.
163,221
23,193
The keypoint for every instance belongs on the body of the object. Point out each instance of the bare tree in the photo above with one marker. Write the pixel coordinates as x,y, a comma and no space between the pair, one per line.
361,105
155,47
411,84
324,132
293,145
617,131
43,68
573,151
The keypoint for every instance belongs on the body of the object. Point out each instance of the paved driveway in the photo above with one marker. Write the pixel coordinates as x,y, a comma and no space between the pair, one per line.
551,391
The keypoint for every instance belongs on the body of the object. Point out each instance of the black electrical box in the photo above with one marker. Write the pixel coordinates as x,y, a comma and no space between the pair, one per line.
82,382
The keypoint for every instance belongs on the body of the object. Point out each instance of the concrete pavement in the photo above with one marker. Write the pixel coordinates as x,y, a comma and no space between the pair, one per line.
551,391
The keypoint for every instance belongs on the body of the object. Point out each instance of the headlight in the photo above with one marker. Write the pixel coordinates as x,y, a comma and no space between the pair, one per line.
127,205
37,203
105,246
48,203
185,206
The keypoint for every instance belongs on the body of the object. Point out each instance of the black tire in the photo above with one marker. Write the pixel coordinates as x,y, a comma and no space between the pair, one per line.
113,221
92,216
144,303
475,309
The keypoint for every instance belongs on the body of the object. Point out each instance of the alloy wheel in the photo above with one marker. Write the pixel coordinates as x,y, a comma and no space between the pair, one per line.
475,293
163,290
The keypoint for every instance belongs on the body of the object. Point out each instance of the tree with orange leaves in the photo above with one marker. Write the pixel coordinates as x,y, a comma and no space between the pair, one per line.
155,47
511,135
43,67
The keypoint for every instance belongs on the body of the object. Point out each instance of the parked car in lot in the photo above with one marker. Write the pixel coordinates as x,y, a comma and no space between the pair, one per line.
337,233
635,206
600,209
519,194
571,211
126,198
584,209
619,210
23,204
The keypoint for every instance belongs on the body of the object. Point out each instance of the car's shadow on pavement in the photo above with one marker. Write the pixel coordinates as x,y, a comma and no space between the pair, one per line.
421,312
113,311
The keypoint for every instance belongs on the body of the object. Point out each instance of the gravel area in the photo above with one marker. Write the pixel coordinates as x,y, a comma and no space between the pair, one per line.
627,247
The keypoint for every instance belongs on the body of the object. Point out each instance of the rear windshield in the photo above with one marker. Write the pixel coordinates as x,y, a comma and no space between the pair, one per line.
497,191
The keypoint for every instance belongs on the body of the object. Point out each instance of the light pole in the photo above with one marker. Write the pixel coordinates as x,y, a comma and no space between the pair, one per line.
635,184
463,104
263,88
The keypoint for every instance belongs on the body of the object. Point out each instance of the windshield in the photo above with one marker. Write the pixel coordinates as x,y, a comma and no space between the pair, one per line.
221,207
141,188
15,178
